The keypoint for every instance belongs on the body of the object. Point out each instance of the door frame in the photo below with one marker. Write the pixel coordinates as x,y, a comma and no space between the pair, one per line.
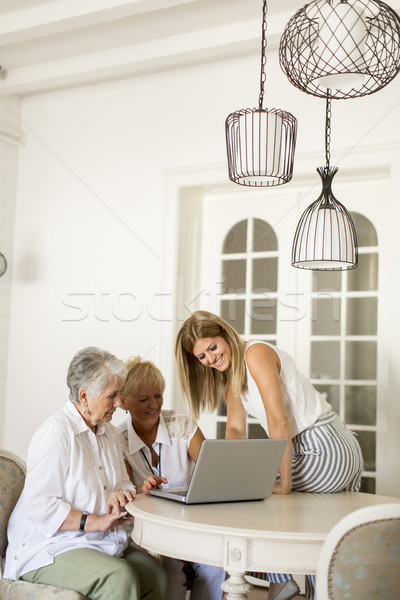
373,163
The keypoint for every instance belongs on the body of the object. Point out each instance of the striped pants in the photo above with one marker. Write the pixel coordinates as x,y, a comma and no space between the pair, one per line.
326,458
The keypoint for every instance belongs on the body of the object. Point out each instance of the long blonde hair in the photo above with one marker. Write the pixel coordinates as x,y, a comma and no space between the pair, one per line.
202,386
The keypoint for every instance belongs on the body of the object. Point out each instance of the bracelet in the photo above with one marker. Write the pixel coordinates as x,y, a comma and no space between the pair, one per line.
83,521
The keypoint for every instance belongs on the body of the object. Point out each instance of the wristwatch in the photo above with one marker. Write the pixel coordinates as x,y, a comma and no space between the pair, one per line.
83,521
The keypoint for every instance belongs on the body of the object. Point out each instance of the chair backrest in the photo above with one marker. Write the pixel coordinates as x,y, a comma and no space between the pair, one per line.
361,556
12,478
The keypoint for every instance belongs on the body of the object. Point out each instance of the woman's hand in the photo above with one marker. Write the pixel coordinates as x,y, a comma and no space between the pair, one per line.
115,515
150,483
118,500
106,521
280,489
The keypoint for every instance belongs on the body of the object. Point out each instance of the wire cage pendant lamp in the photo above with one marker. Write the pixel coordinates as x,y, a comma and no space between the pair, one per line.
325,238
261,143
351,47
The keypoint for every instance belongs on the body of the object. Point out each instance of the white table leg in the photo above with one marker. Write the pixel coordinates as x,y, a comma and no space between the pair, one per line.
235,586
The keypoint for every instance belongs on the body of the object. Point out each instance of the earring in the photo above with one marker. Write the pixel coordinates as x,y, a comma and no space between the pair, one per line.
126,412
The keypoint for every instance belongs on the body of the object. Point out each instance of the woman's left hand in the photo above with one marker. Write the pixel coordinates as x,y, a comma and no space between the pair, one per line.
118,500
280,489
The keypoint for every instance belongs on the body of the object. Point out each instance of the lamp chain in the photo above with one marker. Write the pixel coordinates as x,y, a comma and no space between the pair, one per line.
328,130
263,55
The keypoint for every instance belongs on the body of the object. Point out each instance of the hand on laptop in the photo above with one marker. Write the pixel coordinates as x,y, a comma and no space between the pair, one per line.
151,482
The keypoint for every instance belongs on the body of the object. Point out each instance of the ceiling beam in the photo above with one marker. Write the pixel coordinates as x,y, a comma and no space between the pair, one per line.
170,52
63,15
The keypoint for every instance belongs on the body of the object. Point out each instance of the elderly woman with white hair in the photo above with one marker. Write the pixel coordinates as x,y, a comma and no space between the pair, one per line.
69,527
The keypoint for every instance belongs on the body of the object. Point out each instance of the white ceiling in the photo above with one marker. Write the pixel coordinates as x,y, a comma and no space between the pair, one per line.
46,44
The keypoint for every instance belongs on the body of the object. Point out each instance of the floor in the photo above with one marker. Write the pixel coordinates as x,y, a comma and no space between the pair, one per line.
261,593
258,593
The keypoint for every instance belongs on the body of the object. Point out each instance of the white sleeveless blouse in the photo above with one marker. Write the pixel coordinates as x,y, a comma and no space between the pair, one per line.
303,404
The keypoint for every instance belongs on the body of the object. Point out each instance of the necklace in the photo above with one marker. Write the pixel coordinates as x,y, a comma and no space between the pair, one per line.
149,465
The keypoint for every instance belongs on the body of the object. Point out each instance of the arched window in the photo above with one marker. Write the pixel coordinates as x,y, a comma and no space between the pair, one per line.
250,279
249,290
344,335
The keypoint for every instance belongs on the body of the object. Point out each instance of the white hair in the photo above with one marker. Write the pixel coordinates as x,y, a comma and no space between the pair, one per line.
93,369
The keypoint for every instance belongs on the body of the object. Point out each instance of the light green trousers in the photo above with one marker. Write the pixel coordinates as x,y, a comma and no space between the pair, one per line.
101,577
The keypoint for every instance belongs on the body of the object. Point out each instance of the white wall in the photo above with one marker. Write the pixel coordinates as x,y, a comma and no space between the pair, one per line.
10,138
90,215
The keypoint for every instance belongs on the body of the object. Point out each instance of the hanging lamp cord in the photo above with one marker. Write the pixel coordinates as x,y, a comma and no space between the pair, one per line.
328,118
263,55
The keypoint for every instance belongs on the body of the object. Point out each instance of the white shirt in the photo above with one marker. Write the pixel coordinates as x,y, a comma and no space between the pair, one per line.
68,466
174,434
303,404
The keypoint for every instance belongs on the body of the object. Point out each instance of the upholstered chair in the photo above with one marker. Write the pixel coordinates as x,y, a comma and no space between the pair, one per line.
12,477
361,556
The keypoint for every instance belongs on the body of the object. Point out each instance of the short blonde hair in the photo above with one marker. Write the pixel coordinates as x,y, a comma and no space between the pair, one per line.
202,386
141,375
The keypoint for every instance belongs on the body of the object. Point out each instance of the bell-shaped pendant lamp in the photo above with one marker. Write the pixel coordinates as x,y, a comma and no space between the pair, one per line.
325,238
261,143
351,47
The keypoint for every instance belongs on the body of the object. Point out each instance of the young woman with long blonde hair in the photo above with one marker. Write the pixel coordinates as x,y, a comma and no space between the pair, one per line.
259,379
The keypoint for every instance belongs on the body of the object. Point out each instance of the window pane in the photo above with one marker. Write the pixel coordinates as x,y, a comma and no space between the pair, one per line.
263,316
221,427
367,440
264,238
256,432
236,239
221,411
233,276
233,312
326,316
326,281
361,316
325,360
366,234
360,401
265,274
365,276
331,395
368,485
360,360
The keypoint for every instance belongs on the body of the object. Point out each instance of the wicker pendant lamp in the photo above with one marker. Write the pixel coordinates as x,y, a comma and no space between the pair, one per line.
336,49
351,47
325,238
260,143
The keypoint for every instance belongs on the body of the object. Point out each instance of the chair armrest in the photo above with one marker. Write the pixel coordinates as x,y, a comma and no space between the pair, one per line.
23,590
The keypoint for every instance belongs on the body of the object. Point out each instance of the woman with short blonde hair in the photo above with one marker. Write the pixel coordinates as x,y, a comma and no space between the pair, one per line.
160,448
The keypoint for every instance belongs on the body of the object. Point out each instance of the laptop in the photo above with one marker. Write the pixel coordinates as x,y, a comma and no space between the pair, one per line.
230,471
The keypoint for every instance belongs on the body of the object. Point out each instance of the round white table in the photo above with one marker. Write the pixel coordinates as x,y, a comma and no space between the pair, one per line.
283,534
